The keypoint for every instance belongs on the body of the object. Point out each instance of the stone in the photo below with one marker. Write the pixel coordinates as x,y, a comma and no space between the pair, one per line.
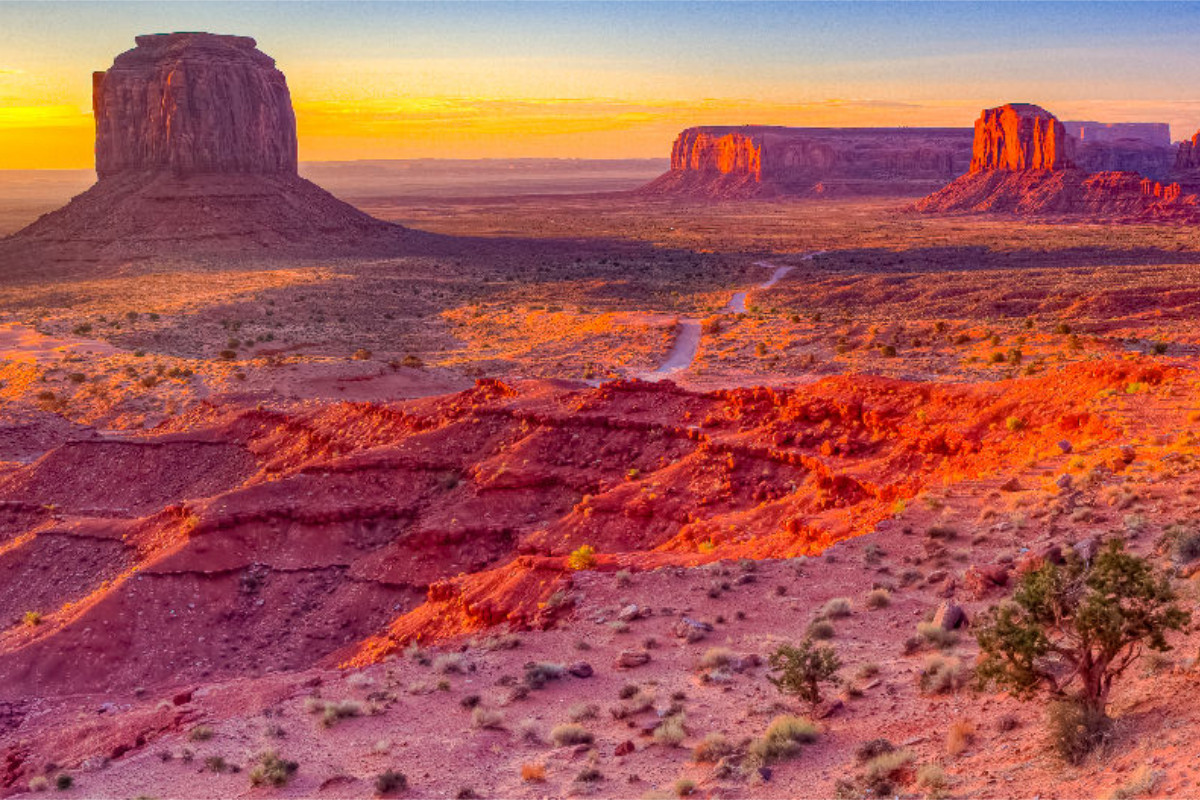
624,748
829,708
628,659
1065,446
1011,485
581,669
949,616
1064,481
629,613
182,698
1087,549
1018,137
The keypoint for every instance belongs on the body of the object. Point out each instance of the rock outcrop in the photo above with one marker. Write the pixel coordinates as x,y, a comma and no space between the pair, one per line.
195,153
765,161
1024,163
1018,137
193,103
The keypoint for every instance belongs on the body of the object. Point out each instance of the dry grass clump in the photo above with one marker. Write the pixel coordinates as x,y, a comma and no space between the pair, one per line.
717,658
936,635
1142,782
712,749
271,770
883,772
837,608
450,664
390,781
940,675
570,734
960,736
486,719
671,731
878,598
782,740
583,711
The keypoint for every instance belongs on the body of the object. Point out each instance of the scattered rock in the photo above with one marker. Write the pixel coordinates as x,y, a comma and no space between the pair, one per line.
581,669
1011,485
829,708
949,616
624,748
1065,446
628,659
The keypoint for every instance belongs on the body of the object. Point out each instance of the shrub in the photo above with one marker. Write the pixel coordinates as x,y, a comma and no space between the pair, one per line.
684,787
714,747
836,608
362,354
63,781
801,669
671,731
215,764
882,772
450,664
1076,729
32,619
272,770
941,675
1014,424
960,736
582,558
529,731
487,719
581,711
821,629
716,658
390,781
589,775
932,779
878,598
570,734
200,733
533,773
335,712
873,748
1093,619
1181,544
1143,781
539,674
782,739
936,635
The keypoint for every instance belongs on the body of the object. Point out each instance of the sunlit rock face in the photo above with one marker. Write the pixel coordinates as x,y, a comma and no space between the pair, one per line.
1018,137
193,103
760,160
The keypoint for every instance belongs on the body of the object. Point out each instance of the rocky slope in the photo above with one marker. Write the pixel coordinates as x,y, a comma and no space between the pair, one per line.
763,161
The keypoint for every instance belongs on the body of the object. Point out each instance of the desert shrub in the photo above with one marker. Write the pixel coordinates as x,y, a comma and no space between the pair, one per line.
533,773
941,532
582,558
960,736
628,690
940,675
63,781
335,712
712,749
412,362
570,734
271,770
684,787
540,673
1143,781
529,731
1014,424
32,619
1076,729
362,354
589,775
390,781
782,740
872,748
486,719
821,629
867,670
836,608
200,733
450,664
583,711
624,578
215,764
936,635
882,772
932,779
878,598
1078,626
801,669
1180,543
38,783
716,658
671,731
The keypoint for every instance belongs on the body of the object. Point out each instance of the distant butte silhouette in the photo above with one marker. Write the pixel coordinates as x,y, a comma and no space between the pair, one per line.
196,153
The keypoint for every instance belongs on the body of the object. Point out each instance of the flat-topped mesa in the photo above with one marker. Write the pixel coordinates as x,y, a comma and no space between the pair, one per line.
193,103
767,160
1187,157
1018,137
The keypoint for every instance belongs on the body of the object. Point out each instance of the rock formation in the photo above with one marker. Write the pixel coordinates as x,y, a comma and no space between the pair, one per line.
763,161
195,152
1024,162
1017,137
193,103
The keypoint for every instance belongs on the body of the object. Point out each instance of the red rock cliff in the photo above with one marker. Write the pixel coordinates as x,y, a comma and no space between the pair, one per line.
1018,137
698,150
193,103
1187,158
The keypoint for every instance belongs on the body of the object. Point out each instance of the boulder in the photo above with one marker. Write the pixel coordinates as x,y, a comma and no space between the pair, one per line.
581,669
628,659
949,616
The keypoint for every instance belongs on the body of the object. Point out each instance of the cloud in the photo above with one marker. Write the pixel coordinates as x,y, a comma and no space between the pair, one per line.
47,116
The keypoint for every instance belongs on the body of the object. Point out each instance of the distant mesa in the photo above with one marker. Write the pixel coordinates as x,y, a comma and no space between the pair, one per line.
1024,161
768,161
196,152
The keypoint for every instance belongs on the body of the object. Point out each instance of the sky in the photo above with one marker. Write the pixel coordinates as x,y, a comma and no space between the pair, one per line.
615,80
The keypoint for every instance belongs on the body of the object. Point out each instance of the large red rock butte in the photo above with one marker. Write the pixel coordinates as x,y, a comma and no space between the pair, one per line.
1024,162
765,161
196,153
193,103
